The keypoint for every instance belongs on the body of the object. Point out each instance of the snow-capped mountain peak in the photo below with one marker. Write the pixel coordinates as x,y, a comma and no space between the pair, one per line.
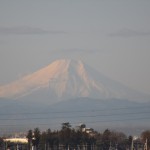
64,79
56,76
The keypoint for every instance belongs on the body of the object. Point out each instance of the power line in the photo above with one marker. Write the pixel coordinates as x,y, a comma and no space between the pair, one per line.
85,116
80,116
89,122
76,111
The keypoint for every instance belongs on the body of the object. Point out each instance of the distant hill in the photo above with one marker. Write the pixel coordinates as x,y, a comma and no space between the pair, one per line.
118,114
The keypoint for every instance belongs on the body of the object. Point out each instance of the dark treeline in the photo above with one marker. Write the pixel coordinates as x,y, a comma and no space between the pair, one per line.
81,138
69,138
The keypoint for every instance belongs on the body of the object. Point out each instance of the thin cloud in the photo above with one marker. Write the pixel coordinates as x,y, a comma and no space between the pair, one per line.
129,33
27,30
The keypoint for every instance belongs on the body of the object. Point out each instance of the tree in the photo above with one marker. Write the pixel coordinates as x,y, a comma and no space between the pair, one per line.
146,137
65,134
118,140
1,143
36,139
29,137
43,141
66,125
106,139
50,138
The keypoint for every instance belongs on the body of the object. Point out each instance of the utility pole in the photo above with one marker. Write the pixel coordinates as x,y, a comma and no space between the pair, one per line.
132,145
17,147
145,145
110,146
116,146
6,145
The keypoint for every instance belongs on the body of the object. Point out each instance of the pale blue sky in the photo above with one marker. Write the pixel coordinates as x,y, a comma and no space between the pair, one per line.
112,36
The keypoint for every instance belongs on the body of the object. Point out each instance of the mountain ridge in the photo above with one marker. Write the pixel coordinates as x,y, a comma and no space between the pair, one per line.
65,79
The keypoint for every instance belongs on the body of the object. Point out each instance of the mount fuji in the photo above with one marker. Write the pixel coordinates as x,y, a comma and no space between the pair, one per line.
67,79
70,91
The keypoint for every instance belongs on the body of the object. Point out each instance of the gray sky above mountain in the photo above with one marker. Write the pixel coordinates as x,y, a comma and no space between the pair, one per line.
111,36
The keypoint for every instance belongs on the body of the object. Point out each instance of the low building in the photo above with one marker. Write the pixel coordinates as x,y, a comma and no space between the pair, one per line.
16,140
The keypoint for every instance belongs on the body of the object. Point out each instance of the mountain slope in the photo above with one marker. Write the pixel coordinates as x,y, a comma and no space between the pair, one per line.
65,79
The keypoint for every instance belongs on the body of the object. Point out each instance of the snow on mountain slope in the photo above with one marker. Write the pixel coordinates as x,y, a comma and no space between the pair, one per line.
67,79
